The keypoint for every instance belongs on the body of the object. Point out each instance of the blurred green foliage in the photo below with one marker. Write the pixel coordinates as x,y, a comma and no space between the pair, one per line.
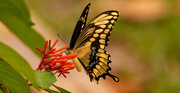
158,45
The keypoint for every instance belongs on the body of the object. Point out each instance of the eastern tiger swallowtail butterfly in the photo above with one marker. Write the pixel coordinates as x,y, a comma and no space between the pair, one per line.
89,42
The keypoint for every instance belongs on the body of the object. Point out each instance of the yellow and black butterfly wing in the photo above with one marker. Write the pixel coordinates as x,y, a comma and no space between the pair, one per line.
79,26
77,31
90,45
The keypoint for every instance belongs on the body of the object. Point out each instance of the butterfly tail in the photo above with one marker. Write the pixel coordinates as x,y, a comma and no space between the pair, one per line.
113,77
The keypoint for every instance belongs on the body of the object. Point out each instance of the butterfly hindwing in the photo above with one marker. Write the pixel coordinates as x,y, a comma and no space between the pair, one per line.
99,65
90,45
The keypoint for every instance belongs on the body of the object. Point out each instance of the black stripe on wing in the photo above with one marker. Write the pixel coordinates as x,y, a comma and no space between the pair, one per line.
99,65
98,30
79,26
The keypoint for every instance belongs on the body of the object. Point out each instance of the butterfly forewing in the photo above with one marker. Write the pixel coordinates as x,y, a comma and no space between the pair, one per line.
98,30
79,26
90,45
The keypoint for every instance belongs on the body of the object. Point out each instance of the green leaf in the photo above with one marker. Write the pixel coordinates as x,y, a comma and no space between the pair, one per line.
2,86
18,63
15,16
16,8
52,91
12,79
1,91
61,89
45,79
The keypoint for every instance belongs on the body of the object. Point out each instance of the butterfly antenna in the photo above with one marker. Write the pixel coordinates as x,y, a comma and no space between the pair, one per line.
62,39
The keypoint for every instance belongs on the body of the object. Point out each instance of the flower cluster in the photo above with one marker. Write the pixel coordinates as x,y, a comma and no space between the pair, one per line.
54,60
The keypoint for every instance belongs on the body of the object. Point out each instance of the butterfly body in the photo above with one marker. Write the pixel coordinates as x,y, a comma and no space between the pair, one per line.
89,42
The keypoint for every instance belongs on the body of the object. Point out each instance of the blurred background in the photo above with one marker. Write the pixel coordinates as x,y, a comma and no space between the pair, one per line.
144,44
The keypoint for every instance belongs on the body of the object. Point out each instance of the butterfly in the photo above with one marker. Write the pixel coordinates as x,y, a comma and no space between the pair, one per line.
89,42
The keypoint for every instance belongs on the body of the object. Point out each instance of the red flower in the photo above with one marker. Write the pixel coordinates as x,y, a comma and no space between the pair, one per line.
53,59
